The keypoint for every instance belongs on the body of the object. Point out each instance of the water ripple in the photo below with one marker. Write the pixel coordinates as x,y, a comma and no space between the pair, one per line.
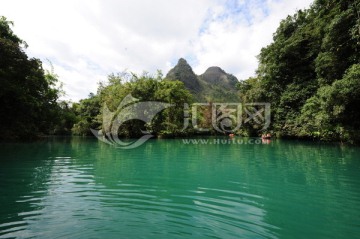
167,191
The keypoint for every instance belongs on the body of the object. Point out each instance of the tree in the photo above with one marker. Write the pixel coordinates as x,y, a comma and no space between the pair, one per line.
308,72
87,111
144,88
28,98
333,112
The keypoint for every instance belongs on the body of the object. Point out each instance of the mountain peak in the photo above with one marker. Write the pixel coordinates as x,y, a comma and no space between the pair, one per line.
183,72
214,84
214,70
216,75
182,61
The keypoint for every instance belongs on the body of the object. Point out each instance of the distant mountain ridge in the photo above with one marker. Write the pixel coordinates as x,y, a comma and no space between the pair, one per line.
213,85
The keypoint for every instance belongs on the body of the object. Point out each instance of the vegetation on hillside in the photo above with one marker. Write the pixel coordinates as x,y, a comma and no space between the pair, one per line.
311,73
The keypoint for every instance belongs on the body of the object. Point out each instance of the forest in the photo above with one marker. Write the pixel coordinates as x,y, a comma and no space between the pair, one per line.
310,74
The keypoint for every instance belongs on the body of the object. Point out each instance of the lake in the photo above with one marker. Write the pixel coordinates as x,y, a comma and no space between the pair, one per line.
82,188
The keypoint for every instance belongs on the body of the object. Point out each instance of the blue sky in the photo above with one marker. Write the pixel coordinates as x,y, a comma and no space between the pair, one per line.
88,39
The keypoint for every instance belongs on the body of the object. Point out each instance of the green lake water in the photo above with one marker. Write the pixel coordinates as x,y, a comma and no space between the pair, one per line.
82,188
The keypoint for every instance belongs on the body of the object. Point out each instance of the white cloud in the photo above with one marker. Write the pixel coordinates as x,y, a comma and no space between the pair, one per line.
234,41
88,39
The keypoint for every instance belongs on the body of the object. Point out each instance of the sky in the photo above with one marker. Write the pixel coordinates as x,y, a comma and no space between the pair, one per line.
86,40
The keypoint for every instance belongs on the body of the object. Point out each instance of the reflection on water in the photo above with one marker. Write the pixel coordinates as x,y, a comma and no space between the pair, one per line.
82,188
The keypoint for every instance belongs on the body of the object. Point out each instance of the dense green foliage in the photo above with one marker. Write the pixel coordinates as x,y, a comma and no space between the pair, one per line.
144,88
86,111
28,95
310,73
